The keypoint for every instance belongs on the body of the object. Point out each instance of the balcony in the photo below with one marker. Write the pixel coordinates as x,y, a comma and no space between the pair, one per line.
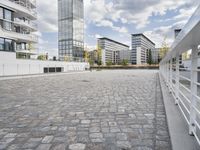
18,36
28,24
21,9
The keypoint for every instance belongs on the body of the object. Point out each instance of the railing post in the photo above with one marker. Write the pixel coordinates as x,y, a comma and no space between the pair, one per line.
194,66
3,70
177,79
170,75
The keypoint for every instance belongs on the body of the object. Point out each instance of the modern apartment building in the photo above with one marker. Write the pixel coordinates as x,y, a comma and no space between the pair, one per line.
155,53
111,50
140,46
17,24
70,29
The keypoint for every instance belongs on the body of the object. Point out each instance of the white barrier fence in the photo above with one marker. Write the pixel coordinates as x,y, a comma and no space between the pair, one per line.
184,82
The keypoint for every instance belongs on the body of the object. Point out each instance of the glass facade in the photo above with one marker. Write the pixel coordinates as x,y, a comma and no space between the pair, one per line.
6,19
7,45
71,28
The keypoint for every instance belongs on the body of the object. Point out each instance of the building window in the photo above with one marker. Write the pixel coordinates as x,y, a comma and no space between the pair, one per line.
7,25
1,44
9,45
8,15
1,13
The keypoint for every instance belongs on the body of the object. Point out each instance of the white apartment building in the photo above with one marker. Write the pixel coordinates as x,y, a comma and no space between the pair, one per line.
17,25
113,51
140,46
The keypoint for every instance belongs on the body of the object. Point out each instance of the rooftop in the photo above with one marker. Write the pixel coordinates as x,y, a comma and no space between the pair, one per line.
141,34
105,38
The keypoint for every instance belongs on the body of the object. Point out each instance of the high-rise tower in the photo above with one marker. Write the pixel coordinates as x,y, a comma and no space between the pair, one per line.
71,29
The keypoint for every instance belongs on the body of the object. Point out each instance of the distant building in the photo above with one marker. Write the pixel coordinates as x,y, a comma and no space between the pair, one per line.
140,46
155,55
71,29
113,51
125,55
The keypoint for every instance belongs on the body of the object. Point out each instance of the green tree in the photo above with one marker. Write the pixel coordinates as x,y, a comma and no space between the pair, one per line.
41,57
149,61
164,49
99,56
91,62
86,56
124,62
109,63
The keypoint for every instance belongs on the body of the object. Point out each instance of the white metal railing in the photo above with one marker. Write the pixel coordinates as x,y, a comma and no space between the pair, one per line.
184,82
27,23
27,37
27,5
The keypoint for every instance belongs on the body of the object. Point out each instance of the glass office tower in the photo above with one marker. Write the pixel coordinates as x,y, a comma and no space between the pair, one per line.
71,29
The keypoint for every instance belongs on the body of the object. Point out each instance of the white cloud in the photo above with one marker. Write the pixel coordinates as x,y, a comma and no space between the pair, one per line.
47,15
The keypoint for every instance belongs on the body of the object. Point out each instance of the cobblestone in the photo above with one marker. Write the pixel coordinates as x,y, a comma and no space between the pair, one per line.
113,110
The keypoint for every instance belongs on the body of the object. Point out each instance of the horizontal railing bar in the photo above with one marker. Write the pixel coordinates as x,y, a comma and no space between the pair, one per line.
185,97
184,106
197,138
184,115
185,87
196,110
197,83
185,78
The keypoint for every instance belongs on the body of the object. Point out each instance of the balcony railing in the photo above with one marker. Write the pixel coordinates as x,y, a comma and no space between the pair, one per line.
19,36
26,5
29,24
183,76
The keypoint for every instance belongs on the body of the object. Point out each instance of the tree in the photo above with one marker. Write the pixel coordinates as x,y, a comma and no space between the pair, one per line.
99,56
91,62
66,58
41,57
109,63
86,56
149,61
164,48
124,62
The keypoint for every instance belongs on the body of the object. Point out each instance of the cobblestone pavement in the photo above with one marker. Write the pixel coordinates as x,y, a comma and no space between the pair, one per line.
104,110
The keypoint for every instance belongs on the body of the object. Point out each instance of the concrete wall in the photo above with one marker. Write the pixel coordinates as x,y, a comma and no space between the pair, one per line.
9,65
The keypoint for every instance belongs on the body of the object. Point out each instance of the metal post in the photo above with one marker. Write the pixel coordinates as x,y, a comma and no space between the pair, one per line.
17,69
167,74
170,76
177,79
194,66
3,70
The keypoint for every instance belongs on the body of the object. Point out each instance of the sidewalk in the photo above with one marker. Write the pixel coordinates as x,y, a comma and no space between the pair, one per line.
178,129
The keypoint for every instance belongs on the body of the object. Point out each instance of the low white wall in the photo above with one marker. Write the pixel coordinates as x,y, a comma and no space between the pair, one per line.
9,65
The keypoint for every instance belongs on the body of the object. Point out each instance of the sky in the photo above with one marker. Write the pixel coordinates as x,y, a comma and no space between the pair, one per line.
117,19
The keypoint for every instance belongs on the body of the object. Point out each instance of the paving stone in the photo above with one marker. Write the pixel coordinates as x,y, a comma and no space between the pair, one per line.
59,147
47,139
85,121
96,135
43,147
115,110
121,137
123,144
77,146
